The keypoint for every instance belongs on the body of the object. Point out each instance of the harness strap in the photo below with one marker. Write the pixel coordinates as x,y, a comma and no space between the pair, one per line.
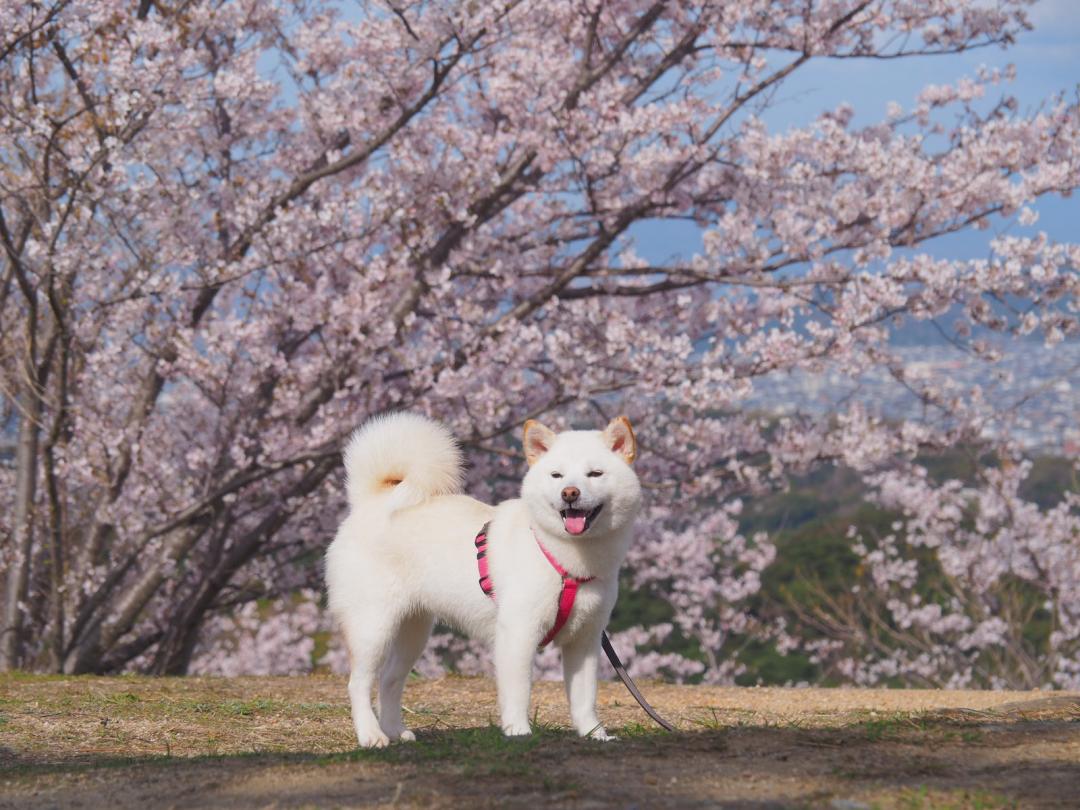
486,585
567,595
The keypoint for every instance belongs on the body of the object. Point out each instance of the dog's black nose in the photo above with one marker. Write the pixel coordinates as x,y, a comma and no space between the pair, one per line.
571,494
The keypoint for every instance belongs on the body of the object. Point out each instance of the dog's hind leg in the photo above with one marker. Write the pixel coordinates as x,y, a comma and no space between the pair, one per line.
369,637
411,637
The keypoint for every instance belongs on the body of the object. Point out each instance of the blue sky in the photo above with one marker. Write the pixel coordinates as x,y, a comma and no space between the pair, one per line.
1047,61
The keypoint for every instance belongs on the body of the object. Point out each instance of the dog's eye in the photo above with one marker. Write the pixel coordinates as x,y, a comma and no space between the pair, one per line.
556,475
595,473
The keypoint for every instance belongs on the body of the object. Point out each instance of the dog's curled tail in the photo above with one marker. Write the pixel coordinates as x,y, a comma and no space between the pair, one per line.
401,459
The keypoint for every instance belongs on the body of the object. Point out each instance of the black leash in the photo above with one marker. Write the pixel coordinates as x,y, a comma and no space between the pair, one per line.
628,682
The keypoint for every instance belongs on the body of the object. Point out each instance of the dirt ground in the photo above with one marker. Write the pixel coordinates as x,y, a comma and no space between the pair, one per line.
288,743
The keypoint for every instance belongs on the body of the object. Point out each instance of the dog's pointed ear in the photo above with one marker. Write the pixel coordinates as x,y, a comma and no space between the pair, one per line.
537,440
619,436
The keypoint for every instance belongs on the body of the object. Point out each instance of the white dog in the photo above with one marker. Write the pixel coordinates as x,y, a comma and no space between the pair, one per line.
407,554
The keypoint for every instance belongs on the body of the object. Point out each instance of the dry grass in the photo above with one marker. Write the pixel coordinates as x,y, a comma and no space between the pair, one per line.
288,742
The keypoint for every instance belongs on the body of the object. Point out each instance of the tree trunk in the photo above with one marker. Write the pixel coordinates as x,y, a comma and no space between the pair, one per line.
18,574
177,645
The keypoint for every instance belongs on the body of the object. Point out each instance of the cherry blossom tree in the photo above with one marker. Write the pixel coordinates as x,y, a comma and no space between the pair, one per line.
996,563
234,230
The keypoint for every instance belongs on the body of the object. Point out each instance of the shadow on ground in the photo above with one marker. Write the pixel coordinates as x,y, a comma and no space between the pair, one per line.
286,743
921,762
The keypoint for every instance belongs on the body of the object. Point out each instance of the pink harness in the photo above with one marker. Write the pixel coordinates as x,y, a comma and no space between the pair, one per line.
567,595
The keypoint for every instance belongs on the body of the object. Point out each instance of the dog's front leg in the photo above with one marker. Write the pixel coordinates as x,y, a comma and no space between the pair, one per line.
513,676
581,657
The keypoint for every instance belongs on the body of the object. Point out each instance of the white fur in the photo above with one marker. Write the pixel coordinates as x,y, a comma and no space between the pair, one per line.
405,556
405,446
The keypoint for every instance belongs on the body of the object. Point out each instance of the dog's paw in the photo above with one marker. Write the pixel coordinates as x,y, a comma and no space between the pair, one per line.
517,729
599,733
399,734
375,740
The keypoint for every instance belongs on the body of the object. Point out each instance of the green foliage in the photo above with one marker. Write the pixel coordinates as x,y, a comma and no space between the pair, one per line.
638,607
1049,479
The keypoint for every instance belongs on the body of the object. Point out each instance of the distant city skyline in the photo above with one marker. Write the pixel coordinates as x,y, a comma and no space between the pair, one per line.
1029,388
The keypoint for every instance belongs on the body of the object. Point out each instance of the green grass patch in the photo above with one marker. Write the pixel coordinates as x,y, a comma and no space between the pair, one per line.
922,798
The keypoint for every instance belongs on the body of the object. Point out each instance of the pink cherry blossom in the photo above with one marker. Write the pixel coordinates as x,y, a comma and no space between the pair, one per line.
233,231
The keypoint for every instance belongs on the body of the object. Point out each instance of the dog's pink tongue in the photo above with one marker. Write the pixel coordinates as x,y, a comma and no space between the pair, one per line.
575,524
